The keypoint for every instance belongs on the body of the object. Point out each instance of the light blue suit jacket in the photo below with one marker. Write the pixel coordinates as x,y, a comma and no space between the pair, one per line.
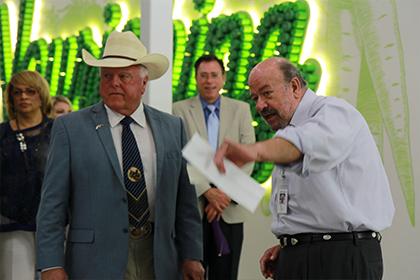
83,186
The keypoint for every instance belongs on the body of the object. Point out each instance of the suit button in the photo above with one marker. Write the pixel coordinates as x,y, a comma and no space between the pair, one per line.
125,230
124,200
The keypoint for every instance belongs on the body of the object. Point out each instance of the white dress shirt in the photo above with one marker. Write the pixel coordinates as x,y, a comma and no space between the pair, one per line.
341,184
144,139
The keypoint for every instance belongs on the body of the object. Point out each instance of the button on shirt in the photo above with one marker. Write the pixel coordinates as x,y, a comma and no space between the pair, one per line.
144,139
341,184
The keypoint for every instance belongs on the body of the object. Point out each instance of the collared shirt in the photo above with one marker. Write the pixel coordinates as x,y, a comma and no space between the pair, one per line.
144,138
341,184
204,105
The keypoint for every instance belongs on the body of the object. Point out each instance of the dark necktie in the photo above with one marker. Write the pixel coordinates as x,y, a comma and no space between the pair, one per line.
135,183
222,245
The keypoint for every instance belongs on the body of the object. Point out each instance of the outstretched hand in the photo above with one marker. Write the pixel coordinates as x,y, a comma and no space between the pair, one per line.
239,154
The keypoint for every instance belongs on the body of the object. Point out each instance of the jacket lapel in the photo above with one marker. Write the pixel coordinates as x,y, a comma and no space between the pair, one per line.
196,113
103,129
155,125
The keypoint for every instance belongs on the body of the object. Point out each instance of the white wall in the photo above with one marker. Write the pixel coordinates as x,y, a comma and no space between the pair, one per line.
156,34
401,245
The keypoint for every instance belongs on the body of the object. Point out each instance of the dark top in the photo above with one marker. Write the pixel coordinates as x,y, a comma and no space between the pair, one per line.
22,164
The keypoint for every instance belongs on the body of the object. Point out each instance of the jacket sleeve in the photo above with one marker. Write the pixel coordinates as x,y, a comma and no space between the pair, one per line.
188,221
52,212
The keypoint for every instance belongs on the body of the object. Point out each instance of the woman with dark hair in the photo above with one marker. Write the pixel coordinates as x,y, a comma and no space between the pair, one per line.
24,143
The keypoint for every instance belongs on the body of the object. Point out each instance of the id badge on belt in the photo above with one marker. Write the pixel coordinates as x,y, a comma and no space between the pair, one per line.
282,197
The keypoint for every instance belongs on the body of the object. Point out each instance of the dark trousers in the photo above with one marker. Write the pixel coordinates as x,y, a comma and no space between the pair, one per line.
348,259
222,267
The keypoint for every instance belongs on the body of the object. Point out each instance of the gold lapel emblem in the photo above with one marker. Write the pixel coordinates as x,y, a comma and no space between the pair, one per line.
134,174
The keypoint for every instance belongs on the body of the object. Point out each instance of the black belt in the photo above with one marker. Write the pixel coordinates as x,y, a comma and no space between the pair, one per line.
302,238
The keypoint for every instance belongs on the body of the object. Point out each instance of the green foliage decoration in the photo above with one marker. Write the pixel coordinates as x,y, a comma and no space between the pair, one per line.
36,56
204,6
232,35
134,26
193,50
26,12
70,51
81,95
55,51
179,46
6,59
112,14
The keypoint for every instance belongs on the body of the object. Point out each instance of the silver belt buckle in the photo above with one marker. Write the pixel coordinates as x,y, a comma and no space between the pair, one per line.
141,232
283,242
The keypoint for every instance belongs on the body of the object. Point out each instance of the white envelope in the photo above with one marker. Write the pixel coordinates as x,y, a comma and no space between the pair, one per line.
235,183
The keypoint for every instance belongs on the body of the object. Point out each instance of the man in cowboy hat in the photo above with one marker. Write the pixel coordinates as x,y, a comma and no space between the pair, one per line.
115,173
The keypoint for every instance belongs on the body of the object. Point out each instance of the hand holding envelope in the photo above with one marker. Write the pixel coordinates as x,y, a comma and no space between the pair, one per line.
234,182
235,152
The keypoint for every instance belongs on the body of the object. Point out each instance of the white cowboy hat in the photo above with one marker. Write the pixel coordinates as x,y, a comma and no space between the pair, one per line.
123,49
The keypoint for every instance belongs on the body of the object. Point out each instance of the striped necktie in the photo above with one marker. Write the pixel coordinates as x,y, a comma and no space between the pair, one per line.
135,183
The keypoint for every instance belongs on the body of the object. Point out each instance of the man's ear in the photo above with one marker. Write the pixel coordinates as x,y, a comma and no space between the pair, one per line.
145,80
296,86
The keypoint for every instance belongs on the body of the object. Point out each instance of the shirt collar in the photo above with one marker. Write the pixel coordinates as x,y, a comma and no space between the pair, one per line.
138,116
204,103
302,111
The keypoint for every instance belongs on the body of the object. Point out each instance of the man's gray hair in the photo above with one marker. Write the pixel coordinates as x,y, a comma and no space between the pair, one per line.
143,71
290,71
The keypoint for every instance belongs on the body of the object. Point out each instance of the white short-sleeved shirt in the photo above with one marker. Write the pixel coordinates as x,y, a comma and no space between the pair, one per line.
341,184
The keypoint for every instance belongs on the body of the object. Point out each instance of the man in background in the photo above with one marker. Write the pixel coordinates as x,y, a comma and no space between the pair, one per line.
215,117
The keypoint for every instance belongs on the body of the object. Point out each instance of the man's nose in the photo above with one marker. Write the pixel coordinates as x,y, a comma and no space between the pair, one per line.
260,105
208,78
115,81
